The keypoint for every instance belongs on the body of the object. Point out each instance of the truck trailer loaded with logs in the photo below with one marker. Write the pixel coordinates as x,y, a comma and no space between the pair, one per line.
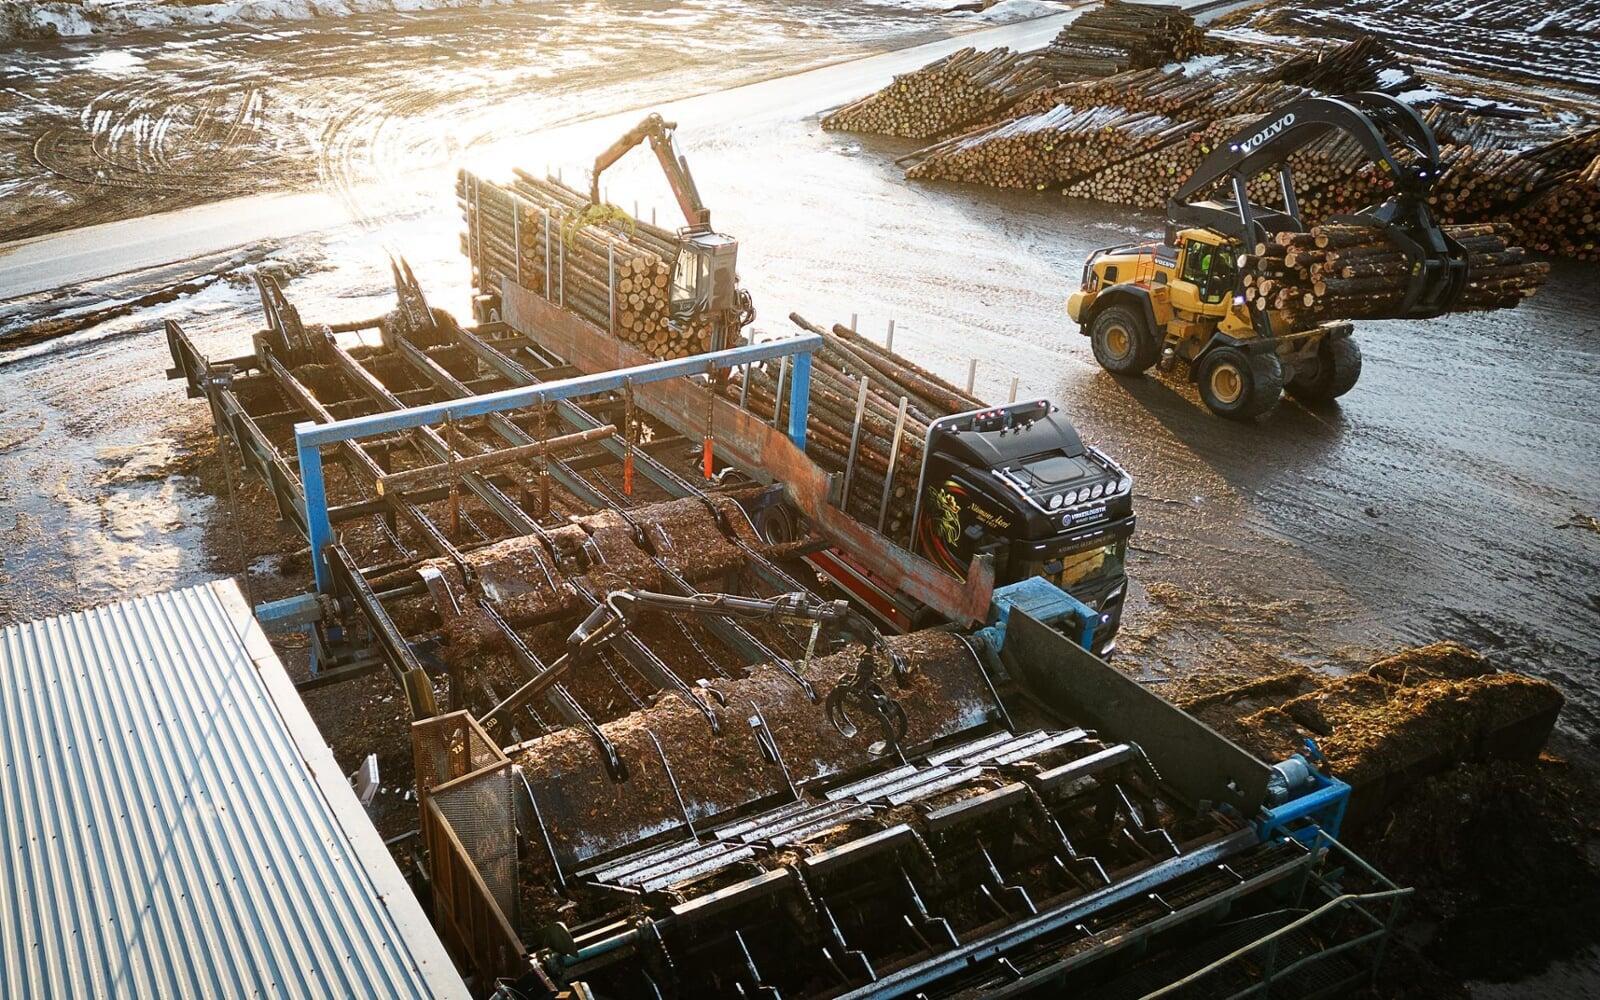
1254,303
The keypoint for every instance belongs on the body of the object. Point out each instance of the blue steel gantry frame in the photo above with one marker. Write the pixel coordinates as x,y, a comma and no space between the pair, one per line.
309,437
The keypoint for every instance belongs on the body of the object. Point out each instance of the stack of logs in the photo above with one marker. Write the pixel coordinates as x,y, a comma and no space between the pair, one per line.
1118,36
837,371
1364,64
1170,92
943,95
1046,149
1149,179
1356,272
1566,220
595,262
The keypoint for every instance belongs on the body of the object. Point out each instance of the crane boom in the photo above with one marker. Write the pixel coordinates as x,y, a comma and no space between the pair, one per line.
659,133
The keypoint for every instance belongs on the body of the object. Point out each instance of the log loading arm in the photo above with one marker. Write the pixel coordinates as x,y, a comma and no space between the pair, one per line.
1391,133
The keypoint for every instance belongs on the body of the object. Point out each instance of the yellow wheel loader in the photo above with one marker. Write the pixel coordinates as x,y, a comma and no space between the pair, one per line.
1183,300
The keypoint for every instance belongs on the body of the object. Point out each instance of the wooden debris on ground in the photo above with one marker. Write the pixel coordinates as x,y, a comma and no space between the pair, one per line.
1382,730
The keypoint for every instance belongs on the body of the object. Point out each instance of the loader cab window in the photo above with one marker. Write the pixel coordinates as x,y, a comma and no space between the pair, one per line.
1210,269
690,278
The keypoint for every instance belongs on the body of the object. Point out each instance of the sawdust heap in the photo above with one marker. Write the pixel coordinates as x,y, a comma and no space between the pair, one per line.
1404,717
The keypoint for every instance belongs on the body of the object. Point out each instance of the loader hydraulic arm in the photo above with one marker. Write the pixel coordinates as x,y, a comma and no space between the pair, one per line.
1377,122
659,133
1381,126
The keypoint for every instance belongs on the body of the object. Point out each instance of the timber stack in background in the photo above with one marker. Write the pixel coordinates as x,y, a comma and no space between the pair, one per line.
943,95
596,261
1118,36
1130,130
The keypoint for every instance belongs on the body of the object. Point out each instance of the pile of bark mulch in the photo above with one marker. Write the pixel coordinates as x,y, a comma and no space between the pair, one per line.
1386,728
1502,854
1450,794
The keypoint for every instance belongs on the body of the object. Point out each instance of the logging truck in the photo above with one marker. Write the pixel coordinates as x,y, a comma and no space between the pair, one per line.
1185,299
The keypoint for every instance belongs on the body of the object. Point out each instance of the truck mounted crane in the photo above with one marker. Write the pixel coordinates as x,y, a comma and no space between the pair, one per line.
705,285
1183,299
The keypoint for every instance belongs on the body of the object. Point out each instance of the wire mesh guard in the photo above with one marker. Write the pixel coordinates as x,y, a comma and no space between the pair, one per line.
469,781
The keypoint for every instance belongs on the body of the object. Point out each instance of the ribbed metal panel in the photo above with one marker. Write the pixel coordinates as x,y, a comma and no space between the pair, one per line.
171,824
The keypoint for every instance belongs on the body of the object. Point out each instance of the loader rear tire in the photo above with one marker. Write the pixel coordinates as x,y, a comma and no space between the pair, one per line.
1238,385
1122,340
1337,371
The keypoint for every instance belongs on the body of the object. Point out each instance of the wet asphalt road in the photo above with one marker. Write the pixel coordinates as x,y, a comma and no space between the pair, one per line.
1445,497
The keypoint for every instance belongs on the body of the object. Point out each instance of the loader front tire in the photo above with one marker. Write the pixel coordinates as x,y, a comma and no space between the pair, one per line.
1122,340
1240,385
1337,371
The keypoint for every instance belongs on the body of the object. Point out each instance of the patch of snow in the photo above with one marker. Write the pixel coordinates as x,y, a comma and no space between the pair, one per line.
1392,77
25,19
113,62
1011,11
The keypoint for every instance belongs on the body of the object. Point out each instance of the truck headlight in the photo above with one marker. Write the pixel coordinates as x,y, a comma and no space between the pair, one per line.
1094,494
1055,502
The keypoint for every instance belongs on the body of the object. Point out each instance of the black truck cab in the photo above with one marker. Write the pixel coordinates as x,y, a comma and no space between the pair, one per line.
1017,483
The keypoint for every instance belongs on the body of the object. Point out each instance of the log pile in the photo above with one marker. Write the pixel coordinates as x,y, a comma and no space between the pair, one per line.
1118,36
1572,152
1043,150
1356,272
1150,178
943,95
1364,64
837,369
595,261
1566,220
1172,92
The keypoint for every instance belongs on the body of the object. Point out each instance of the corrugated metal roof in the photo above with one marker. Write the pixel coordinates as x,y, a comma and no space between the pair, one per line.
172,824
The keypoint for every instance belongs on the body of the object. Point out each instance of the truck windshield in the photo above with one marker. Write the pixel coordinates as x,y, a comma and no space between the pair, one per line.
1078,569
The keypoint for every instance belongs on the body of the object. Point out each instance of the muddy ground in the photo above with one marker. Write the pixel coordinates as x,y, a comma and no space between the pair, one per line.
1451,495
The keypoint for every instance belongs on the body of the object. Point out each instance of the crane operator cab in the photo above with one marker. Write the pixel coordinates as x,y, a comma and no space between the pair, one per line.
703,279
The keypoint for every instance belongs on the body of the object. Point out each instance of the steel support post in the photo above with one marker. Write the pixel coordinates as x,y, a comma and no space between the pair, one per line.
799,398
319,530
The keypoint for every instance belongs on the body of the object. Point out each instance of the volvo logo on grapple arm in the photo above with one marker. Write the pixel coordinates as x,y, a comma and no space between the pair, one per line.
1250,144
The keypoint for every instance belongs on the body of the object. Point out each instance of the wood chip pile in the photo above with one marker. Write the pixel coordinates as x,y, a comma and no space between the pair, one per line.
1118,36
1355,272
847,357
1047,149
943,95
596,261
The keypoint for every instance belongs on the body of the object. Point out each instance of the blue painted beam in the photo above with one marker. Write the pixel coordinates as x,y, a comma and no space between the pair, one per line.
546,392
319,530
309,437
799,399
